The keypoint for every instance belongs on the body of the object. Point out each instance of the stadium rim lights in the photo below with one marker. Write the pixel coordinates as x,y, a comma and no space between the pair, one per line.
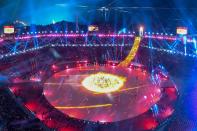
172,52
171,37
189,40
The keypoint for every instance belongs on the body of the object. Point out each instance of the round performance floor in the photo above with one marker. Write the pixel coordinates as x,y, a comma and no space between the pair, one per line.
74,93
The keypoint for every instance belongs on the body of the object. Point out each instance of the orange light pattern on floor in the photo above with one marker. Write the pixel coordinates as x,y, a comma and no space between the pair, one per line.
83,107
132,53
103,82
127,89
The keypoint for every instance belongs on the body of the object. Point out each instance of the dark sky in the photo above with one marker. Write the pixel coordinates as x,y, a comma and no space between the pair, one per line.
161,12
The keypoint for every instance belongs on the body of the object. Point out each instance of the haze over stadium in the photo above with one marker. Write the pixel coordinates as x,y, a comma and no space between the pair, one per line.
98,65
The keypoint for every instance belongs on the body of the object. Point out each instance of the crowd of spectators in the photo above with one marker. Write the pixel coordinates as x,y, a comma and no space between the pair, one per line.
13,115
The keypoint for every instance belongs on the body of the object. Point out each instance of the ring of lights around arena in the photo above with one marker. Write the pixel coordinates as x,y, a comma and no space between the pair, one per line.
103,82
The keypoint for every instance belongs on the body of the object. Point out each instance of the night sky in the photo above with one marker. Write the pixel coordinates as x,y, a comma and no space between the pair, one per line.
149,12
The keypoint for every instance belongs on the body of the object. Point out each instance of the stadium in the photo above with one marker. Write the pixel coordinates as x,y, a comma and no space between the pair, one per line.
106,66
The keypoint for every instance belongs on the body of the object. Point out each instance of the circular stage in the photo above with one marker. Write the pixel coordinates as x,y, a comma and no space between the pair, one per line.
102,93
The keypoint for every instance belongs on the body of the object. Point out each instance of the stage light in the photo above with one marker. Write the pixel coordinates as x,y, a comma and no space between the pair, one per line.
141,31
53,21
145,97
54,67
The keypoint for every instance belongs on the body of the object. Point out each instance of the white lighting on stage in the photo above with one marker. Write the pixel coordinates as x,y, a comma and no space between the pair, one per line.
141,31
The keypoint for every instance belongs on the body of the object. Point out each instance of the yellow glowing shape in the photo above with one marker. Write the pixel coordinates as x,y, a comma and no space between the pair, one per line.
83,107
103,82
132,53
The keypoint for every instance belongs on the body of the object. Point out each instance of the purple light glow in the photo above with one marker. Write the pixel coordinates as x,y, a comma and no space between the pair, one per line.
1,40
74,35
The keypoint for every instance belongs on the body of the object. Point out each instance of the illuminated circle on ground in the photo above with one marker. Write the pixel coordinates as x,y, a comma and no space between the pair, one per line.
103,82
66,92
